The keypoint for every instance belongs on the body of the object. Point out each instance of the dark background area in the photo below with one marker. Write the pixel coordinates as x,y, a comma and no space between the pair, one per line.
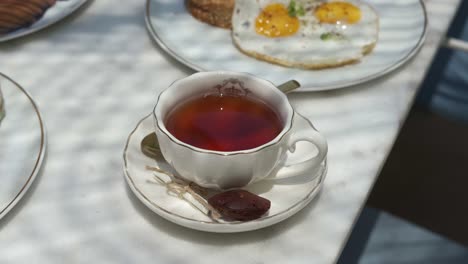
425,178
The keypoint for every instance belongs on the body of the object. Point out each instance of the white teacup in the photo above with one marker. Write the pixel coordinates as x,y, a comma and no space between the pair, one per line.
224,170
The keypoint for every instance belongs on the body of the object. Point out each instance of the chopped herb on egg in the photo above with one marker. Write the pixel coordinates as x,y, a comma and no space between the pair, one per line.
332,36
292,8
295,10
300,11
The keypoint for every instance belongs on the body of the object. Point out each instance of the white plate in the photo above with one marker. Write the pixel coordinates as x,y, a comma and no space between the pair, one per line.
59,11
203,47
22,144
286,199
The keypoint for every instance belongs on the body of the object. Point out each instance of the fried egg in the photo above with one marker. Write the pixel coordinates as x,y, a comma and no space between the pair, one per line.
310,34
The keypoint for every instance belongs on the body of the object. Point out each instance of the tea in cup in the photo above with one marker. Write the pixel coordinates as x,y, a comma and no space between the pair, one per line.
226,130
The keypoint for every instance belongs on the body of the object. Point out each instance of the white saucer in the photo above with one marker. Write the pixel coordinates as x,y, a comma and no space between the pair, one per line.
286,198
22,144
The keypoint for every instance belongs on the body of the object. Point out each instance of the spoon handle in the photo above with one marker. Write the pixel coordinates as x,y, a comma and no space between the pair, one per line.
289,86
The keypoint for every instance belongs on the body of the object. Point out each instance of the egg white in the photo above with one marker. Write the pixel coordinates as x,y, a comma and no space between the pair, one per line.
305,49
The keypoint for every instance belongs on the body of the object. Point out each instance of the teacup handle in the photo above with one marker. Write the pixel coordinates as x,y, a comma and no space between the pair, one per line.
303,130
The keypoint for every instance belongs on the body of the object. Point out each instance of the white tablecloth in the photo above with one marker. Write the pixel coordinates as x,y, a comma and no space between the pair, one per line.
97,73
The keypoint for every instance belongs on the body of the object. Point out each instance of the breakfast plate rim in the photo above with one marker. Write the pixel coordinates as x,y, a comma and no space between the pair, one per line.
307,88
21,32
40,158
213,226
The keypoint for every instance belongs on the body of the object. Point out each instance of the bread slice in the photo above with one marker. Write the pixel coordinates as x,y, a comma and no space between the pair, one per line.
214,12
15,14
224,7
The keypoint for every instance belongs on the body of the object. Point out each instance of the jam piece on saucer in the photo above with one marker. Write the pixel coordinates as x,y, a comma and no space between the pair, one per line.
239,205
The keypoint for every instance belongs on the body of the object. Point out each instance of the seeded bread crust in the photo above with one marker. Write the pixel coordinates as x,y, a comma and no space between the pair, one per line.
214,12
224,6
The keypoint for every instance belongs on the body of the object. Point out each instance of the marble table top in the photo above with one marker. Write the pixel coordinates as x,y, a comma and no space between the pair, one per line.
97,73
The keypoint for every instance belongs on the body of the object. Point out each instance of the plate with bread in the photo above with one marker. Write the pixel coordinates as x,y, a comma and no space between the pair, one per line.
22,143
22,17
323,44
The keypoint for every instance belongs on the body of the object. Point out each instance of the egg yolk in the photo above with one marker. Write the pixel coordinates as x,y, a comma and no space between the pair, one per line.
338,12
274,21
